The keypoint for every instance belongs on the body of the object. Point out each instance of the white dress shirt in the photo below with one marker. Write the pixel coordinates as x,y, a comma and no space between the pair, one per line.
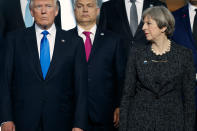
67,15
51,38
92,34
139,5
192,14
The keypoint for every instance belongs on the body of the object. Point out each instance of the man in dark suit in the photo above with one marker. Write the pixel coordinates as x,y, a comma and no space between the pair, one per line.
105,61
185,31
14,15
115,16
45,76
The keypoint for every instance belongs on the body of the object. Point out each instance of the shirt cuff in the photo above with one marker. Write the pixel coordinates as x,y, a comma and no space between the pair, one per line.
196,76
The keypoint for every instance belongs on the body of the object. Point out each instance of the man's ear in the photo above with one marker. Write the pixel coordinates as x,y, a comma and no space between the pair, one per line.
98,11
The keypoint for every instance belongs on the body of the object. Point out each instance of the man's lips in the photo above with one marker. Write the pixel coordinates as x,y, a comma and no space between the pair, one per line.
85,15
146,33
44,18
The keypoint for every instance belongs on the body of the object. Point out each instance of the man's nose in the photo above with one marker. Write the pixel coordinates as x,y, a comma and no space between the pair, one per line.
43,10
85,8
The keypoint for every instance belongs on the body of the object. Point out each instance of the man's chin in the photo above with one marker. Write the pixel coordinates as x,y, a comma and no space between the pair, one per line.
44,26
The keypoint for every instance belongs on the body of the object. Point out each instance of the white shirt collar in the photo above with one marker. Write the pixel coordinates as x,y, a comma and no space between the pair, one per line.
51,30
192,7
92,30
137,1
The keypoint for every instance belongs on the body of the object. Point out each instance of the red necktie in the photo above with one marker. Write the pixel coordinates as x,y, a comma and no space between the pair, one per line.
88,44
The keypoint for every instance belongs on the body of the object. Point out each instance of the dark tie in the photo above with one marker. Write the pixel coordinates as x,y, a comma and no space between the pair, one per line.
88,44
133,17
195,29
44,54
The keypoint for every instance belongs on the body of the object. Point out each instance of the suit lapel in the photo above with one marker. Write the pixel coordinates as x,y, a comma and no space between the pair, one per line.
19,12
56,53
122,14
186,22
31,43
98,40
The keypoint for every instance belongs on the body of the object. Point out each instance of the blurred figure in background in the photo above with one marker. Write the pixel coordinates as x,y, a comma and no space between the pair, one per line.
186,30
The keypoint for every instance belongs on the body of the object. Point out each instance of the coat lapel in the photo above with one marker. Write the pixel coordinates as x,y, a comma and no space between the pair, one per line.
31,43
97,41
19,12
186,22
121,12
59,40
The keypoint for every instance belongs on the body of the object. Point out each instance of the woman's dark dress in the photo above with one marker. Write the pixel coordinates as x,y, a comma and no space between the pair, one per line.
159,91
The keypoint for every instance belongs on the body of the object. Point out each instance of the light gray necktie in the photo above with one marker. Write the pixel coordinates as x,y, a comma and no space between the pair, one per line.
28,18
133,17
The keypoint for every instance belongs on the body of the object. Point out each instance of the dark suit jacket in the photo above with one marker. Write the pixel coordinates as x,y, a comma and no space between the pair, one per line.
105,76
183,33
59,101
13,16
2,56
159,93
1,25
113,17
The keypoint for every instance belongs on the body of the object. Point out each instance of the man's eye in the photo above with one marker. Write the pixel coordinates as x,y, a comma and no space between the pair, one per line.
49,6
90,5
79,6
148,23
38,7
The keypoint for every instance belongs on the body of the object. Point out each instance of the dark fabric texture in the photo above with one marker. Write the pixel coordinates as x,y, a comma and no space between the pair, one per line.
159,92
106,66
183,32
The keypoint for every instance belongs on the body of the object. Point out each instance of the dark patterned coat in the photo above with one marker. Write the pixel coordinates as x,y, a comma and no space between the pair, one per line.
159,91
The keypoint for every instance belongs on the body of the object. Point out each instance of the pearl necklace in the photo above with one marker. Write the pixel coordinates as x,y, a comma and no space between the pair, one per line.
164,51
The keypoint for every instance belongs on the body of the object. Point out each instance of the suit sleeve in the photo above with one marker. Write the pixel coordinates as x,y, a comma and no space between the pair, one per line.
128,91
6,91
189,93
80,119
2,25
120,62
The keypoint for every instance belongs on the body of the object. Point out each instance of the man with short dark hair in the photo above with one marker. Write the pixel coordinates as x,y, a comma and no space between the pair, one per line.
105,61
45,80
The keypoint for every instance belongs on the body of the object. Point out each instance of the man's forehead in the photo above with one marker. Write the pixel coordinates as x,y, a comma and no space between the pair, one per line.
43,1
86,1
